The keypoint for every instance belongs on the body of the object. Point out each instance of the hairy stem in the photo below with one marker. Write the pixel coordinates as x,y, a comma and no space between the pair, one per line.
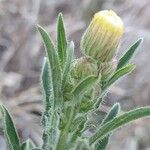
62,142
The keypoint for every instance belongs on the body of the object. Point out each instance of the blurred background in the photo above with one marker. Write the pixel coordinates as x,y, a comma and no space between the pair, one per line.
21,56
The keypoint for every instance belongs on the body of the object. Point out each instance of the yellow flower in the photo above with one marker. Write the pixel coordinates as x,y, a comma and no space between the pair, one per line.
102,37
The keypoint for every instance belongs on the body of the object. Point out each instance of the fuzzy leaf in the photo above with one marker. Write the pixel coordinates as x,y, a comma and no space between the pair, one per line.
69,59
77,122
54,67
119,73
119,121
112,113
84,86
10,131
46,84
61,39
125,59
28,145
101,144
77,127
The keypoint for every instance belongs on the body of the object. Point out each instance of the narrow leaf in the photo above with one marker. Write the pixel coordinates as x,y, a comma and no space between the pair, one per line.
119,73
101,144
119,121
46,84
83,86
68,62
54,66
10,130
112,113
125,59
61,39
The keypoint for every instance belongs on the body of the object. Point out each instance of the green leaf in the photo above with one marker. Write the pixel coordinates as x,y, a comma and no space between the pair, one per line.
119,121
125,59
61,40
118,74
77,127
83,87
76,123
69,59
54,67
28,145
46,92
101,144
112,113
10,131
46,84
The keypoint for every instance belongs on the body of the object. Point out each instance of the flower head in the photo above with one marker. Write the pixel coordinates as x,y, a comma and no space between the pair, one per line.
102,37
83,67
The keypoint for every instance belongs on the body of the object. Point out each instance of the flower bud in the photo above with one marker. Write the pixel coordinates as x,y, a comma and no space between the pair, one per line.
107,68
83,67
102,37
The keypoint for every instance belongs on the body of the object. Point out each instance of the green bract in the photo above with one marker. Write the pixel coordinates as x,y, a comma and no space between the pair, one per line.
73,90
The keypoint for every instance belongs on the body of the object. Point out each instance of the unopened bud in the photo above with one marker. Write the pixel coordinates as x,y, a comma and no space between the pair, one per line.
102,37
107,68
83,67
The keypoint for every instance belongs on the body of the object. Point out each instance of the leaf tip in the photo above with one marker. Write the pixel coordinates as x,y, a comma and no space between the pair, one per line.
140,40
117,107
40,28
60,14
72,44
60,17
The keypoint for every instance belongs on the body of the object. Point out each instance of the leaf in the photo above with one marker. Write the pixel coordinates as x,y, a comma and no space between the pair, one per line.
84,86
28,145
54,67
61,39
101,144
46,92
112,113
125,59
118,74
68,62
76,123
46,84
119,121
77,127
10,131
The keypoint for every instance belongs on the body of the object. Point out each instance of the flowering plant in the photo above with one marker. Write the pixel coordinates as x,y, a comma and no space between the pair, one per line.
73,89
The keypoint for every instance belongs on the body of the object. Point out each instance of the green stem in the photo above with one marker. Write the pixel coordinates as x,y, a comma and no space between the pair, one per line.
48,137
62,142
